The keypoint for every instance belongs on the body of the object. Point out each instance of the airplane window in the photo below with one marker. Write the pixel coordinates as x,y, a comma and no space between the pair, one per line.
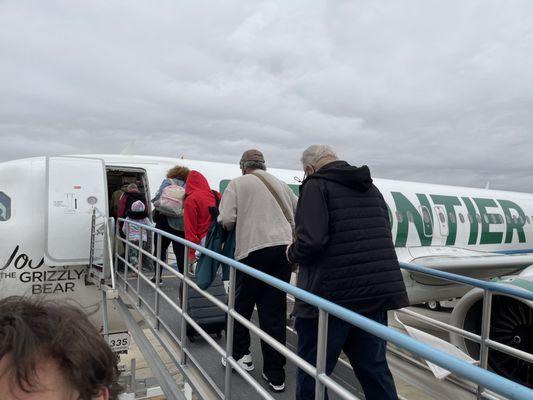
470,218
410,217
521,219
5,207
486,218
527,219
461,218
399,217
493,219
452,217
425,215
478,218
499,219
507,218
442,218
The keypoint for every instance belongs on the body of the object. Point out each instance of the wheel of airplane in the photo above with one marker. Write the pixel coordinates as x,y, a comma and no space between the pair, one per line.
433,305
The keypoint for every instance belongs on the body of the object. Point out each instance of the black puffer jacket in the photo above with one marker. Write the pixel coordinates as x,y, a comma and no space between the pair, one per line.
344,244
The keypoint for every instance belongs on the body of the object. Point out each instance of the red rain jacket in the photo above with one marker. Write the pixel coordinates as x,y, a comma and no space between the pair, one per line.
196,215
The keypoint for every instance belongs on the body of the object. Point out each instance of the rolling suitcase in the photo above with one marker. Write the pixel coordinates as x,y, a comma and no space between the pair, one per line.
211,318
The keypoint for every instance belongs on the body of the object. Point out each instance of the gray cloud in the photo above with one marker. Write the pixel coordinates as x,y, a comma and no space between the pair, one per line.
418,90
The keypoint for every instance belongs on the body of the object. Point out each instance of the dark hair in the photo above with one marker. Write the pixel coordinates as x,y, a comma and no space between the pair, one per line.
253,165
178,172
31,330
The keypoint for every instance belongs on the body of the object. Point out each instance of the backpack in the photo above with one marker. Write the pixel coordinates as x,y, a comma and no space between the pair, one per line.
170,204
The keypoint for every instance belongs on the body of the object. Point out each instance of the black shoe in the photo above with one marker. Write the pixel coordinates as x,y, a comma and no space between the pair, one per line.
160,281
276,388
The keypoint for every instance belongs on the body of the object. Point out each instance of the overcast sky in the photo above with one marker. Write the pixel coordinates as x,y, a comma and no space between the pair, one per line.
433,91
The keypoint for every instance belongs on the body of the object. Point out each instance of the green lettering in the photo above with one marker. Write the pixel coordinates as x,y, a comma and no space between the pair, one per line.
487,237
513,224
472,238
389,213
449,203
404,206
223,185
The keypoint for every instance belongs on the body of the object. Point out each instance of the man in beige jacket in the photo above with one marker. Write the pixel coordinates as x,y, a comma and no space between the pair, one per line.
261,210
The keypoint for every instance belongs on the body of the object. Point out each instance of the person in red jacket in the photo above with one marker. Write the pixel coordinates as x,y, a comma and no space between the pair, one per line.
199,199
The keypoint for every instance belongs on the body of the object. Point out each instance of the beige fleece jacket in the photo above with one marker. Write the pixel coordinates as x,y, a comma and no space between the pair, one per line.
248,207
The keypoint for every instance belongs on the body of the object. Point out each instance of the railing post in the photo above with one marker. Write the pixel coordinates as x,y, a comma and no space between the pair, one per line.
184,305
229,332
93,234
126,255
105,319
321,353
139,267
485,333
116,243
158,273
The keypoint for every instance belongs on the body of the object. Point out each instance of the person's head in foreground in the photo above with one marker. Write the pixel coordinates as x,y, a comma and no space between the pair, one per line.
51,351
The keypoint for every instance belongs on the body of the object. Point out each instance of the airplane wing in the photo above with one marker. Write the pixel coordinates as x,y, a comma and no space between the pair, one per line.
481,265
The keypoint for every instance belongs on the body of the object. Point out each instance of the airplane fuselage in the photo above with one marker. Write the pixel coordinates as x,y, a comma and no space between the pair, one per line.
426,220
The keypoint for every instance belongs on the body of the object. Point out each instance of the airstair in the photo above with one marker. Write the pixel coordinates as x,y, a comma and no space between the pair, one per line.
155,312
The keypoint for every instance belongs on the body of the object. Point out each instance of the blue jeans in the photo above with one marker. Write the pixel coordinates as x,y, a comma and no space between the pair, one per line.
365,352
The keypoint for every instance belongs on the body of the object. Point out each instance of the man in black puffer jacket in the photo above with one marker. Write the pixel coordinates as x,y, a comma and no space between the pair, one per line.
346,255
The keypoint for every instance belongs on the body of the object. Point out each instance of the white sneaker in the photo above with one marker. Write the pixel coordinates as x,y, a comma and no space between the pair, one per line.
274,388
245,362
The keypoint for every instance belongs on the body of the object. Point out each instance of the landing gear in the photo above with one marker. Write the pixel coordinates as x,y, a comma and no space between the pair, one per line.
434,305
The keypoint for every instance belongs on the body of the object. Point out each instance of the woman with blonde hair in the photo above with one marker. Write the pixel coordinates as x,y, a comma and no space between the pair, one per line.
177,175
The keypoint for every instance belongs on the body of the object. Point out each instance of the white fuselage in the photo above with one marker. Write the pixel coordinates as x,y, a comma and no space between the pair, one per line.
427,220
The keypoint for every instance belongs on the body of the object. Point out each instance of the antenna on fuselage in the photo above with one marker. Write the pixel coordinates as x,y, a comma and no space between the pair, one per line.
487,186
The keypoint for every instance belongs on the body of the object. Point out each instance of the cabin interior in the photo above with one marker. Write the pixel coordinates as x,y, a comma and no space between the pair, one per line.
117,177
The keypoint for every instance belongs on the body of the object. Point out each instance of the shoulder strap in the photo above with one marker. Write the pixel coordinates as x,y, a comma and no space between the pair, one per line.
286,212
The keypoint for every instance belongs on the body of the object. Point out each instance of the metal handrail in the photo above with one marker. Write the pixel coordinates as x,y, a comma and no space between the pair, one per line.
478,375
484,338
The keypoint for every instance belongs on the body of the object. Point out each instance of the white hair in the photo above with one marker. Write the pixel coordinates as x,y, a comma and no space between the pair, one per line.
317,152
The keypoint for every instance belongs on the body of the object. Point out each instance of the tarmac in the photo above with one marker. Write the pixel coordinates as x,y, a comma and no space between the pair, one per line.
241,390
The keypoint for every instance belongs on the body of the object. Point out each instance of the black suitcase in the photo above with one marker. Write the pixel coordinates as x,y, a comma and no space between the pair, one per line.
211,318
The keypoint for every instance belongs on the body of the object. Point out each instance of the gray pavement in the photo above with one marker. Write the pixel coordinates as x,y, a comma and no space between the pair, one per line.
210,360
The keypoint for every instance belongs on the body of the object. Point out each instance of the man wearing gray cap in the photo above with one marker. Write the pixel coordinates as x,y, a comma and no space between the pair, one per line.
261,210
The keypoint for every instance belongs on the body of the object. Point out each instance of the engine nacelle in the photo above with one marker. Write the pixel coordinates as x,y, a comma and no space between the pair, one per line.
511,324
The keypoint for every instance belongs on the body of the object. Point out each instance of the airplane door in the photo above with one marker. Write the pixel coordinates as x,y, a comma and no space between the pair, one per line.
443,220
75,185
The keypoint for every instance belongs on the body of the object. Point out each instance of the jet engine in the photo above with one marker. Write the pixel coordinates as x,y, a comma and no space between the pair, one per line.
511,324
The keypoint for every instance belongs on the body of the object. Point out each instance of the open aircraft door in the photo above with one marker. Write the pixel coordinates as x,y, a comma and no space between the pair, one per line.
75,186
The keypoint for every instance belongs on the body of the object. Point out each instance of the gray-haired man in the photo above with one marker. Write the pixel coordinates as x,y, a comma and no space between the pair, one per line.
346,255
261,210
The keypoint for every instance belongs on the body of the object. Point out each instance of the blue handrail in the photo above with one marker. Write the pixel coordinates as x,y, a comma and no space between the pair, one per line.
475,374
494,287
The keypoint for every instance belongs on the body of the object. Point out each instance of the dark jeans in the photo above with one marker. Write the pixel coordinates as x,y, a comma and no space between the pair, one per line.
271,308
366,353
179,249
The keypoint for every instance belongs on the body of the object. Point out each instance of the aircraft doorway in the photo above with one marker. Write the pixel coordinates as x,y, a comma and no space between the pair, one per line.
118,178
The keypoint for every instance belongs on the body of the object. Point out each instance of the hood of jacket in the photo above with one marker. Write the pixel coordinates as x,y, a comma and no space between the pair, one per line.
196,182
357,178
